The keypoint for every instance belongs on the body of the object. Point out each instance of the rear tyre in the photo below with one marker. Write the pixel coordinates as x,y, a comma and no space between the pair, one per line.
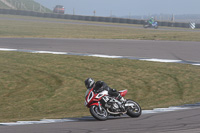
156,27
134,111
97,114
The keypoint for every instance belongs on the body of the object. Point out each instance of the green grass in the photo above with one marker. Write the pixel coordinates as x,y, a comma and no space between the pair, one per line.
36,86
2,5
21,28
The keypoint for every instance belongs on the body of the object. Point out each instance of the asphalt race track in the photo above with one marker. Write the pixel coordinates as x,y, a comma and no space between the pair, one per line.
136,48
182,121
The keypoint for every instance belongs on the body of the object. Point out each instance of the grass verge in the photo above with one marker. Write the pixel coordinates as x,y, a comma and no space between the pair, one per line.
31,27
36,86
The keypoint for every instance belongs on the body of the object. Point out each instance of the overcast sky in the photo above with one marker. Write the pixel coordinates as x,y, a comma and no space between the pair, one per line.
125,7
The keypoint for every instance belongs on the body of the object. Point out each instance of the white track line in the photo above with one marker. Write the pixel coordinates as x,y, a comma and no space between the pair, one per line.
105,56
156,110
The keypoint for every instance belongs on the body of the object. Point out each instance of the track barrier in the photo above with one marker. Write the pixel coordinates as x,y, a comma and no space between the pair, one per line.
192,25
95,18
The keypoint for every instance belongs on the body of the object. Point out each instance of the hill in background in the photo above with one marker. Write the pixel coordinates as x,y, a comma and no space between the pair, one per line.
29,5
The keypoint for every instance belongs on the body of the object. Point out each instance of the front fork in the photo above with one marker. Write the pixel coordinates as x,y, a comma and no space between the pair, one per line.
100,108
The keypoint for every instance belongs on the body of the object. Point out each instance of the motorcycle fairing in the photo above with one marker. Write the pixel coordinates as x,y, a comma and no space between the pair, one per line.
123,92
91,96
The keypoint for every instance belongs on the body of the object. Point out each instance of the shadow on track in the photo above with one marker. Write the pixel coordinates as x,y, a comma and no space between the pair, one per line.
92,119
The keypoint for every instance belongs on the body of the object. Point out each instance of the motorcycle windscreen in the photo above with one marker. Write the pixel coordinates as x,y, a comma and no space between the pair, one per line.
86,93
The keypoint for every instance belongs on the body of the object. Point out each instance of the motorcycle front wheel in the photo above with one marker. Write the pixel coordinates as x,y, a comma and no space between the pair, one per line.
98,114
134,111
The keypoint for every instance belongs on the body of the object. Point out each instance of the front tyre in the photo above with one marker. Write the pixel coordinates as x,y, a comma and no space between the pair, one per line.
97,114
135,110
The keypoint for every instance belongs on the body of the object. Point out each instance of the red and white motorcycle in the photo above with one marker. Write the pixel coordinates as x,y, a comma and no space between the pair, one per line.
102,105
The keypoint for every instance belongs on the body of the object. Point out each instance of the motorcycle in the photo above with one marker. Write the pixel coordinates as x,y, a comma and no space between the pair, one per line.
101,105
148,25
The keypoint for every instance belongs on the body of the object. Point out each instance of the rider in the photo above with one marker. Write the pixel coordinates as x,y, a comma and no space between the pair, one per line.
151,20
100,86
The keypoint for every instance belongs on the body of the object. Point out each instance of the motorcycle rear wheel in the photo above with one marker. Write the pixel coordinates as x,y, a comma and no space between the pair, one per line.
97,114
134,111
145,26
